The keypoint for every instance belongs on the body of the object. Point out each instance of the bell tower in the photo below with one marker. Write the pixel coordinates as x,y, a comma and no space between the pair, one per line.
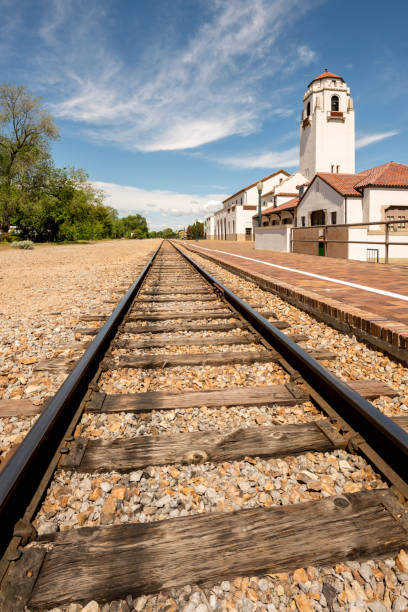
327,127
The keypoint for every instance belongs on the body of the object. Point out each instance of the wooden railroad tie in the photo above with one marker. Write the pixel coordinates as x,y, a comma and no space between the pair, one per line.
127,454
197,341
153,329
194,315
282,395
210,297
206,311
161,292
202,359
103,563
167,400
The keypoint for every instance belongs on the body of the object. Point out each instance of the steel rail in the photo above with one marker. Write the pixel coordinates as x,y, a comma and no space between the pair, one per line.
386,438
24,471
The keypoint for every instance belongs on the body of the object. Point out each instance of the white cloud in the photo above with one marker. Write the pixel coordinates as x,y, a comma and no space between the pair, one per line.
270,160
367,139
131,200
306,55
171,98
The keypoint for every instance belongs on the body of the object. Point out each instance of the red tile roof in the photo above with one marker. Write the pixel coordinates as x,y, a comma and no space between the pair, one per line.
286,195
253,184
342,183
387,175
326,75
288,205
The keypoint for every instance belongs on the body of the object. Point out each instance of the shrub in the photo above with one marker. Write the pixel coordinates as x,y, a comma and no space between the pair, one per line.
23,244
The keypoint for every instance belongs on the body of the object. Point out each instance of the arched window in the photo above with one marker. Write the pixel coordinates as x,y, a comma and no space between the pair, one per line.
308,109
335,103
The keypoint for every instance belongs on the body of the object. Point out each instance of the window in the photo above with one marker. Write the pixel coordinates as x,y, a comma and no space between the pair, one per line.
332,168
301,190
317,186
303,221
280,181
333,216
338,169
241,200
399,214
335,103
308,109
333,82
318,217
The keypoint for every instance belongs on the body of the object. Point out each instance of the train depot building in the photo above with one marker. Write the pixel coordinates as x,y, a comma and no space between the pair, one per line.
326,207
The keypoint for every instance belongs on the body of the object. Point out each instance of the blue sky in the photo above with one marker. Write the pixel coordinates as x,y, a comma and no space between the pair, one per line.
171,106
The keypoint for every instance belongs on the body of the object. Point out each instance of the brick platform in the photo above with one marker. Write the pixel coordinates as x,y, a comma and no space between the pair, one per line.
377,319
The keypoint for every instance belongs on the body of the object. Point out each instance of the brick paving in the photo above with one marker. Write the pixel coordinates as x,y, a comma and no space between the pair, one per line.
380,317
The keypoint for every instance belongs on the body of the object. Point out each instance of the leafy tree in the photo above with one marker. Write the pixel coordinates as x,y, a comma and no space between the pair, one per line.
195,230
166,233
26,130
134,226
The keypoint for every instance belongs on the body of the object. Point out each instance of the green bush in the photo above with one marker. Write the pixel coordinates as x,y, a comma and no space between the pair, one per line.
23,244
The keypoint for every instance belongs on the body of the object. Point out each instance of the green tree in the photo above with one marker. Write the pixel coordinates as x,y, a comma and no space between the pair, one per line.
195,230
26,130
134,226
60,204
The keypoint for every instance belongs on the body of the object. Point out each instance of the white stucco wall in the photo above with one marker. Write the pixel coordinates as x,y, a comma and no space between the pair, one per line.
273,239
359,251
232,222
320,196
377,199
354,210
290,184
209,227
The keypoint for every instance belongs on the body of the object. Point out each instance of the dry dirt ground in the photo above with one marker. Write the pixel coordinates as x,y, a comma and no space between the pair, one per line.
43,295
49,277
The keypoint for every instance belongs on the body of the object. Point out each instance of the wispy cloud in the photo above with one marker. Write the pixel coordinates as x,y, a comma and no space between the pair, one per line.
131,200
366,139
269,159
57,14
170,97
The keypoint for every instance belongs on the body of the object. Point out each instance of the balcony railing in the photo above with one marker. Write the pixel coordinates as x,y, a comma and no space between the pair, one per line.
335,115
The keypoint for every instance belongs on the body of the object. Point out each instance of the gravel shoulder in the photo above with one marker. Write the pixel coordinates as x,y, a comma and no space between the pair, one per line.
43,294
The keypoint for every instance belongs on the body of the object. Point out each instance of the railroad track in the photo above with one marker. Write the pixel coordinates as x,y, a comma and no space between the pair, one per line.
131,483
